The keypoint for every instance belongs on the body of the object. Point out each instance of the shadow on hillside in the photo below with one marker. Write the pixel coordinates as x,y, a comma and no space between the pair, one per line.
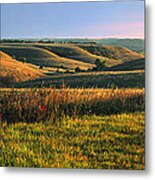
121,80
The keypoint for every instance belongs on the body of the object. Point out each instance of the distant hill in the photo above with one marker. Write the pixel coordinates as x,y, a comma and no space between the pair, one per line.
12,70
132,44
138,64
117,53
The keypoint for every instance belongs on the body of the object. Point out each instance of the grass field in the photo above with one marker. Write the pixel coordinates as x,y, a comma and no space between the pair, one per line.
64,118
101,142
96,128
107,79
34,105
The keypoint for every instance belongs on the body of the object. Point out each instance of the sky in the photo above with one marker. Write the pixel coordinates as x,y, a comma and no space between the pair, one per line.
120,19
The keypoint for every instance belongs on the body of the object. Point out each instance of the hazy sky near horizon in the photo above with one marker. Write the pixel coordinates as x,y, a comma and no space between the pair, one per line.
120,19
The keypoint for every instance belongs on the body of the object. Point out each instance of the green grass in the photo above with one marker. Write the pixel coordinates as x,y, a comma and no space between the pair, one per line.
101,142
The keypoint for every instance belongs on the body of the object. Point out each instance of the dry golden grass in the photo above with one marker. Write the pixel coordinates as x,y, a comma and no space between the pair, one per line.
112,53
33,105
13,71
124,53
43,57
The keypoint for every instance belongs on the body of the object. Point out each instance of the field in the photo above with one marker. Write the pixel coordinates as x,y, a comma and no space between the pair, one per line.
107,79
95,128
59,108
109,142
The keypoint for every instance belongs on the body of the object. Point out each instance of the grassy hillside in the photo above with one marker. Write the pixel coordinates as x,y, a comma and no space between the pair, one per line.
117,53
68,55
42,57
122,79
72,52
66,52
131,65
12,70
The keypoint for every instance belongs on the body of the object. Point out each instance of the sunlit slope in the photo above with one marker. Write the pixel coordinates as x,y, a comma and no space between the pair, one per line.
117,53
12,70
42,57
74,52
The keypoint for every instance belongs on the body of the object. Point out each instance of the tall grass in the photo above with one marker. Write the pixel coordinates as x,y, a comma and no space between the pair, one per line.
35,105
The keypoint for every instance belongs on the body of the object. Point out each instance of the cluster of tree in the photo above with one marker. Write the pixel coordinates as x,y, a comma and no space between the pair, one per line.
15,41
100,66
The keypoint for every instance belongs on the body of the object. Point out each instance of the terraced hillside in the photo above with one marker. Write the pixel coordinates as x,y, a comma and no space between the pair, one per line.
12,70
117,53
42,57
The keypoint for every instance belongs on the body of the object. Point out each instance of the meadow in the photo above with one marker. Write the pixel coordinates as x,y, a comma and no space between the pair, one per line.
106,79
72,128
101,142
52,115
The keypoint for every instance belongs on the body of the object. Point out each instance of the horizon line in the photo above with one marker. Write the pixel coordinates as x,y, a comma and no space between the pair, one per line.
8,38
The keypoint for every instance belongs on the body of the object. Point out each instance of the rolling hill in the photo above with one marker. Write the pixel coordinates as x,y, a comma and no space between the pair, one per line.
69,56
117,53
12,70
43,57
72,52
138,64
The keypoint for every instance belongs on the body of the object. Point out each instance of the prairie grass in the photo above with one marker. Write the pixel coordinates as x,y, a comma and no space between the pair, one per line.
34,105
107,79
42,57
101,142
12,70
112,52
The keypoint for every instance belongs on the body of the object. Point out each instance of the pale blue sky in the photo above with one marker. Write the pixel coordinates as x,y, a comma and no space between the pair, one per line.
81,19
